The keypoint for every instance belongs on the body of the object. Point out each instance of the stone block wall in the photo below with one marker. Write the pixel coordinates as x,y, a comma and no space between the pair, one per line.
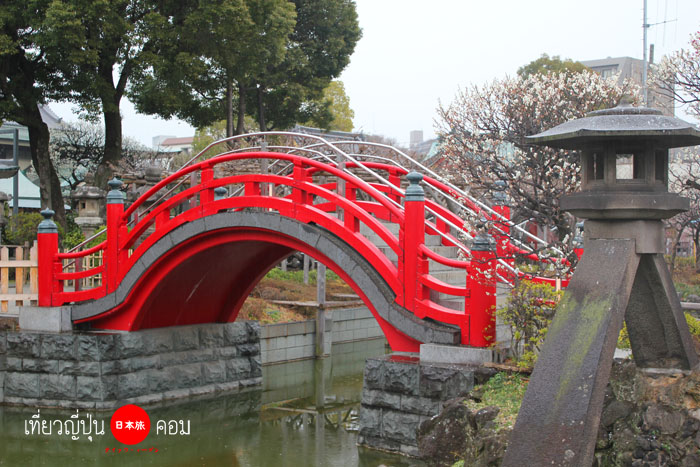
107,370
400,392
355,324
286,342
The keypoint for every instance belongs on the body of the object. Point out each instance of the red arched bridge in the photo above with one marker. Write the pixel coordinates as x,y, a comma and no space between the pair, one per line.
192,247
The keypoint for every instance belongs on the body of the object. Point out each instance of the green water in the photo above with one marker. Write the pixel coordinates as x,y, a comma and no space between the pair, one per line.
305,414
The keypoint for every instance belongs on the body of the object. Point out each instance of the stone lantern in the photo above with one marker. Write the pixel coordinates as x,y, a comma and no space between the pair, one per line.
89,207
622,277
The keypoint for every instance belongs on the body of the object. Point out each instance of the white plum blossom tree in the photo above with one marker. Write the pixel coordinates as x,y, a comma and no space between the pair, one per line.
484,129
678,75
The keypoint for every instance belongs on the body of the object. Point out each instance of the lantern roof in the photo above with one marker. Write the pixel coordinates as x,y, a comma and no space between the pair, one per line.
620,123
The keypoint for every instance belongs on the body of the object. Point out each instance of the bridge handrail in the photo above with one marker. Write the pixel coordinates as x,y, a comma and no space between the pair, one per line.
455,188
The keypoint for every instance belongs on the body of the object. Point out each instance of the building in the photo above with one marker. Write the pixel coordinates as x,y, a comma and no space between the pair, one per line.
172,144
52,120
632,68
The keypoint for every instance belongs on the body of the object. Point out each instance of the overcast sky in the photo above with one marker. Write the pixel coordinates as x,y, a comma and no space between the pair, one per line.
414,54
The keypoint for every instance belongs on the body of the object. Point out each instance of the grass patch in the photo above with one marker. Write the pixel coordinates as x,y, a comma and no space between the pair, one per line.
298,276
504,390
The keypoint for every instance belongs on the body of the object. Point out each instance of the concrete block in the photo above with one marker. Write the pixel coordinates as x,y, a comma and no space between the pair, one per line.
401,376
211,335
158,341
370,421
13,364
420,405
227,352
380,398
273,356
235,333
445,382
295,353
58,346
133,384
23,344
213,372
238,369
374,373
185,337
248,350
72,367
253,329
399,426
187,376
47,319
129,344
89,388
22,385
436,353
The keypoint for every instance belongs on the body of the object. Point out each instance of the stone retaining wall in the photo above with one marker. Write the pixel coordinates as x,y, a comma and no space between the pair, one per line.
400,392
286,342
107,370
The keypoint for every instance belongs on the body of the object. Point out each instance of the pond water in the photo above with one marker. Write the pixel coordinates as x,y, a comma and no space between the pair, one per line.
305,414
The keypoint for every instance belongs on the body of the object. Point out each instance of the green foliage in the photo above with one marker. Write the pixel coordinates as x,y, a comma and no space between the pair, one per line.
505,391
693,325
298,275
22,228
685,290
100,238
623,341
73,235
338,103
546,64
528,312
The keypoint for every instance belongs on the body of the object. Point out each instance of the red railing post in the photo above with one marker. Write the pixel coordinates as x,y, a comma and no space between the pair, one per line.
412,236
206,196
47,242
115,222
481,283
501,228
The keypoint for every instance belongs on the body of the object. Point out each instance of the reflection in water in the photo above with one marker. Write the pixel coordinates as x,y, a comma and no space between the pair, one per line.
305,415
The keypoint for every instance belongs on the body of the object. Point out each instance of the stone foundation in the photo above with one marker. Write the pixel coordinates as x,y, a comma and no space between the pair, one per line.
107,370
400,392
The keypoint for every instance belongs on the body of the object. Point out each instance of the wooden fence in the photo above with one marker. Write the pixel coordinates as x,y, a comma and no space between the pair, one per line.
22,261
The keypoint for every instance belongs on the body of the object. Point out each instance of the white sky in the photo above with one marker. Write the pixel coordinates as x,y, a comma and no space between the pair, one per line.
414,53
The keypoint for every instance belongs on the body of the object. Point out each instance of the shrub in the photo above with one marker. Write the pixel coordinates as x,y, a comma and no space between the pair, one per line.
528,312
22,228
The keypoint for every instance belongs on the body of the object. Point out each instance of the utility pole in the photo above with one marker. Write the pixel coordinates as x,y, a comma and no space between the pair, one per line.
645,26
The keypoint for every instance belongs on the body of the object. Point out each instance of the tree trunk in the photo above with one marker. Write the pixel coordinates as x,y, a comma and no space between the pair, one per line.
49,185
240,127
229,108
113,145
261,110
696,243
674,247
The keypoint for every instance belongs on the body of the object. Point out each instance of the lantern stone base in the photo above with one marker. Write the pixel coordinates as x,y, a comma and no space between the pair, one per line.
103,371
560,414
